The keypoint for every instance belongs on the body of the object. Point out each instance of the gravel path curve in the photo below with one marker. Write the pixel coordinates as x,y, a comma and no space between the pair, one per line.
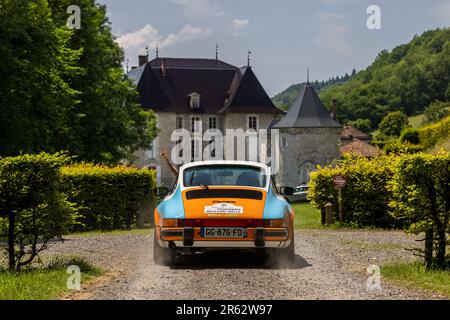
329,265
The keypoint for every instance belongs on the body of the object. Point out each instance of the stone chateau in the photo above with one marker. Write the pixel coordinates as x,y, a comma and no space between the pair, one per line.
186,92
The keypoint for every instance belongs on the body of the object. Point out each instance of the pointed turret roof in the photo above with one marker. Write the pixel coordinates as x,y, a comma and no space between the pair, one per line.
307,112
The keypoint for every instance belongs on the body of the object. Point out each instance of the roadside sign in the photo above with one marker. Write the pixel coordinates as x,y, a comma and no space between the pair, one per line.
339,182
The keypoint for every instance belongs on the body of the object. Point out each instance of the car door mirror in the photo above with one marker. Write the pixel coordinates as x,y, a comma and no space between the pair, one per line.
286,191
160,192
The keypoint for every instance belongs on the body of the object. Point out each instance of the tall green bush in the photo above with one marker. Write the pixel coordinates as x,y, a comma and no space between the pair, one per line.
32,208
410,135
432,134
393,124
421,199
436,111
365,198
108,197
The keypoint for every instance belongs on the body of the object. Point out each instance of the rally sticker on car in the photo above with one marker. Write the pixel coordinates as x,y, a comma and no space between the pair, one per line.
223,208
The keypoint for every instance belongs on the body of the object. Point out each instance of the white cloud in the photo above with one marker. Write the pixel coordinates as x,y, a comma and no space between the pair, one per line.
187,33
134,43
332,34
239,23
199,8
441,12
139,38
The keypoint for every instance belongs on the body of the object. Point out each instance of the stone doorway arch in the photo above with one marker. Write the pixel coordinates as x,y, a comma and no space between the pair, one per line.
305,170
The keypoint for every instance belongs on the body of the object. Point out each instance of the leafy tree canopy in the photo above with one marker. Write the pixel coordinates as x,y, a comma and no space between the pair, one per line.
65,89
393,124
406,79
436,111
362,124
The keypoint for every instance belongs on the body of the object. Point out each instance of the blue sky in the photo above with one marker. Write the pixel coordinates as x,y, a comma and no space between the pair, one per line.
285,36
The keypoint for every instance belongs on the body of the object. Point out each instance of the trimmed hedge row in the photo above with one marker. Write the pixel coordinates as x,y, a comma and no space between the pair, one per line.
366,196
388,191
107,197
420,191
430,135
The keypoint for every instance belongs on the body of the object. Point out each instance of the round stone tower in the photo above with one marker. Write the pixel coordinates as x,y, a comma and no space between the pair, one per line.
309,136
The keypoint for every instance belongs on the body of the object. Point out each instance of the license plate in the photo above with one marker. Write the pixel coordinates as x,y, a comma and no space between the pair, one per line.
223,232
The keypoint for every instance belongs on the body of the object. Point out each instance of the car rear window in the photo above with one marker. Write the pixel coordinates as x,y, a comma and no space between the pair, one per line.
225,175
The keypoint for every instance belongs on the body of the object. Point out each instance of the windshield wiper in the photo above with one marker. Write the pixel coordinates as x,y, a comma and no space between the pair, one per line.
205,187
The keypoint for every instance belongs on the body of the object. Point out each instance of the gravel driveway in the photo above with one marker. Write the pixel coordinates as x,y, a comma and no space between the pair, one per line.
328,265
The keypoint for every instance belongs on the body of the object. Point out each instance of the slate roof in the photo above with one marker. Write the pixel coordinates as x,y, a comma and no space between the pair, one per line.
223,87
307,112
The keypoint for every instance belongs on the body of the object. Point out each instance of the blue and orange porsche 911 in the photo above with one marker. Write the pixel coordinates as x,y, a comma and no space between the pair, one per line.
223,205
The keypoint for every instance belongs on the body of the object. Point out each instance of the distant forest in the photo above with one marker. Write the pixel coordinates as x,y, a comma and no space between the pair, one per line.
408,79
285,99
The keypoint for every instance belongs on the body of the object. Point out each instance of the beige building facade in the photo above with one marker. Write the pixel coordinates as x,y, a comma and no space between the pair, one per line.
199,95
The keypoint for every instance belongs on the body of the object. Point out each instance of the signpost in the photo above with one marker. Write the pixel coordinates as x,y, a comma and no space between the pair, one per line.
339,183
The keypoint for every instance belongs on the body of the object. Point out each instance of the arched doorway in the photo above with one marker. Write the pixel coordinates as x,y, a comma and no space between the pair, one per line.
305,170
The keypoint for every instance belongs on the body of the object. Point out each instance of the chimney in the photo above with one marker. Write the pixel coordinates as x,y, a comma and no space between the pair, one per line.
333,108
163,67
143,60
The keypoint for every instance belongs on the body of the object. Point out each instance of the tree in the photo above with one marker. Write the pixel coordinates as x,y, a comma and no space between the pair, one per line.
410,135
393,124
35,95
421,199
65,89
408,79
109,123
436,111
362,124
32,208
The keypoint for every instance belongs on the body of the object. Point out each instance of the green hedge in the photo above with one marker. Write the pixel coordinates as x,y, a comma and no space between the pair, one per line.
421,198
33,210
396,147
108,197
366,196
432,134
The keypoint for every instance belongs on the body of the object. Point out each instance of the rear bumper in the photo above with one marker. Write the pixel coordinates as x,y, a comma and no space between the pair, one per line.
257,238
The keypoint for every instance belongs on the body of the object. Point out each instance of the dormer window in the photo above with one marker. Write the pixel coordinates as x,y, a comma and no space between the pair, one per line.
194,100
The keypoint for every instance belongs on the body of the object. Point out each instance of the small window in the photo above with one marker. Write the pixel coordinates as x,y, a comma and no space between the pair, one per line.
196,124
179,123
284,142
194,100
151,152
212,123
252,123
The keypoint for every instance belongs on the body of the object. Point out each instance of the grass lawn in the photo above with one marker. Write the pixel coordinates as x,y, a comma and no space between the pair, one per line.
306,216
416,121
413,275
43,283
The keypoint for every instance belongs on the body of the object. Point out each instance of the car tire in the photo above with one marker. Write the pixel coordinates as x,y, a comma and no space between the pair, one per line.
162,256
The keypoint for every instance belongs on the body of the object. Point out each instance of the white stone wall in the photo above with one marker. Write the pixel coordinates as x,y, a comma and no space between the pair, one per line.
316,146
167,124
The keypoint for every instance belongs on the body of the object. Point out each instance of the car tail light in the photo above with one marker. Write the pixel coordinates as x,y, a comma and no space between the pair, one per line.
172,223
275,223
